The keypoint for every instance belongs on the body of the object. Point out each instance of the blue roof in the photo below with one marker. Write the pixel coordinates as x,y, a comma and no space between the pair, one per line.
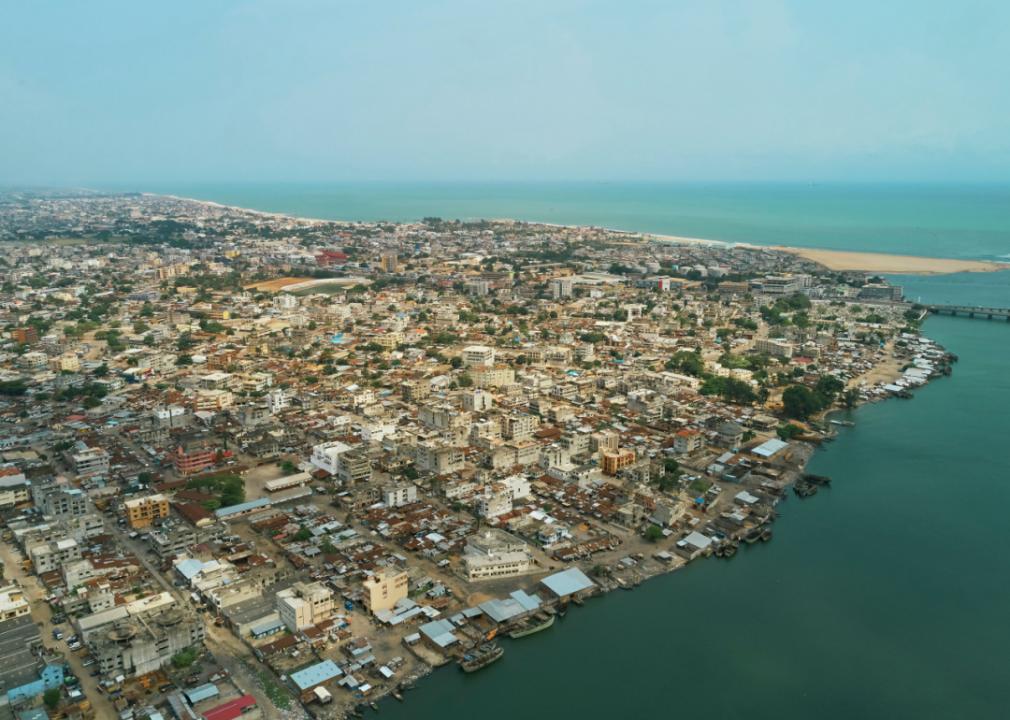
189,568
439,632
316,674
502,610
204,692
242,507
567,582
769,447
529,602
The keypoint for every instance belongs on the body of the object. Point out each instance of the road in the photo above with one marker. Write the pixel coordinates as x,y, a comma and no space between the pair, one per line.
42,615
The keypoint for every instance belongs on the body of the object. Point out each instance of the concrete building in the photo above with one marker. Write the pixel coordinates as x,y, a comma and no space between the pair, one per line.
13,602
384,589
494,554
88,461
478,355
53,554
140,637
304,604
614,462
15,488
399,495
142,512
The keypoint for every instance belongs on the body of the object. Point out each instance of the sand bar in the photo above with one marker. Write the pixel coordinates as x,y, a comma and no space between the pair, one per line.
903,264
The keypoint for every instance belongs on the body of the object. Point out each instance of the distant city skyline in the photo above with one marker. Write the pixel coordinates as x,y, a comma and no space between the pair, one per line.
116,93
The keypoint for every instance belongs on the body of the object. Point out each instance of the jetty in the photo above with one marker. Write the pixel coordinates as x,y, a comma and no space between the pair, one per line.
971,311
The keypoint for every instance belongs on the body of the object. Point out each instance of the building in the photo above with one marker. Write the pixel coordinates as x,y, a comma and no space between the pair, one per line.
384,589
25,335
493,376
193,459
687,441
438,459
399,495
561,288
325,456
520,426
881,291
58,500
13,602
478,356
354,467
142,512
140,637
304,604
389,262
88,461
494,554
614,462
774,348
53,554
15,488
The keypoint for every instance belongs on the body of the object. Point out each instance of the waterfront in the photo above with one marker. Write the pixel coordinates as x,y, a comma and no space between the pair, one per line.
884,596
955,221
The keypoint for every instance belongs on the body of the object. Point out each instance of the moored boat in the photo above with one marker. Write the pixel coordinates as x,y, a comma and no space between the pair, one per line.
533,626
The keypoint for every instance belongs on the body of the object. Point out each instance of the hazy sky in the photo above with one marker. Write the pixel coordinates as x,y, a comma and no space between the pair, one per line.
174,91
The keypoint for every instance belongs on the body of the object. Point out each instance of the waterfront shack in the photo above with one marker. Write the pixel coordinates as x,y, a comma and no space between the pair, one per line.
567,584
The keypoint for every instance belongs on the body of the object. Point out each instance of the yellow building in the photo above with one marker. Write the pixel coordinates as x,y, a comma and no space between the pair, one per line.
142,512
384,589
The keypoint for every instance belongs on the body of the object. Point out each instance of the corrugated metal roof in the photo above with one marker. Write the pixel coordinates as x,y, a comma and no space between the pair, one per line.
315,674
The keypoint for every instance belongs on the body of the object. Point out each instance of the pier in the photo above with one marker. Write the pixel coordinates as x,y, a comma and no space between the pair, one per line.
971,311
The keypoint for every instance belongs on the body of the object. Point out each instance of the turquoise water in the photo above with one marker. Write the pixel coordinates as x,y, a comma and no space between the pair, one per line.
929,220
885,596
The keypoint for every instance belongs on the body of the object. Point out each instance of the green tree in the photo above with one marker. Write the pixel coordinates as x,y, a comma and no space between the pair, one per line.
51,698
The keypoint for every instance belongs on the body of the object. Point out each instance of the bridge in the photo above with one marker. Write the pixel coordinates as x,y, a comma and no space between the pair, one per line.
972,311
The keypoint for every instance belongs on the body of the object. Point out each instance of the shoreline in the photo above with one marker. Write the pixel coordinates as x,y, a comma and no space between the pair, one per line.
836,260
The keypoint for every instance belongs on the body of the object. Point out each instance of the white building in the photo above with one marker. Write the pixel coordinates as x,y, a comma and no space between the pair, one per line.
478,355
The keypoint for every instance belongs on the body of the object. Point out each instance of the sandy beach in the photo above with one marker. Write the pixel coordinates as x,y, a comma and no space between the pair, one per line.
903,264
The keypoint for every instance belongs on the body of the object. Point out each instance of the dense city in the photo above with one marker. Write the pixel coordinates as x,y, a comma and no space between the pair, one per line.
261,466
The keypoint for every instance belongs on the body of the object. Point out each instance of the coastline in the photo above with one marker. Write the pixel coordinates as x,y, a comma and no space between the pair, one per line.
837,260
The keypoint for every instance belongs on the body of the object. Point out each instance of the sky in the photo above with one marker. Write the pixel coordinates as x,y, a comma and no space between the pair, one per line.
475,90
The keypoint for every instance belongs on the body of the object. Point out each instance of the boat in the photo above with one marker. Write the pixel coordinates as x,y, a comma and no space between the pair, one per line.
480,657
822,480
397,696
534,626
843,423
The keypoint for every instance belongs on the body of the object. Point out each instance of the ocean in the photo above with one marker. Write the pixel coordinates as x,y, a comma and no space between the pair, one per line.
884,596
956,221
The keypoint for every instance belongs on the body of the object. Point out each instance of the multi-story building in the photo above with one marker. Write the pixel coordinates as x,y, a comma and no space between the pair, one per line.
88,461
494,554
354,467
519,426
775,348
13,602
617,460
304,604
494,376
142,512
193,458
58,500
326,456
398,495
687,441
140,637
478,355
15,488
51,555
384,589
437,458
